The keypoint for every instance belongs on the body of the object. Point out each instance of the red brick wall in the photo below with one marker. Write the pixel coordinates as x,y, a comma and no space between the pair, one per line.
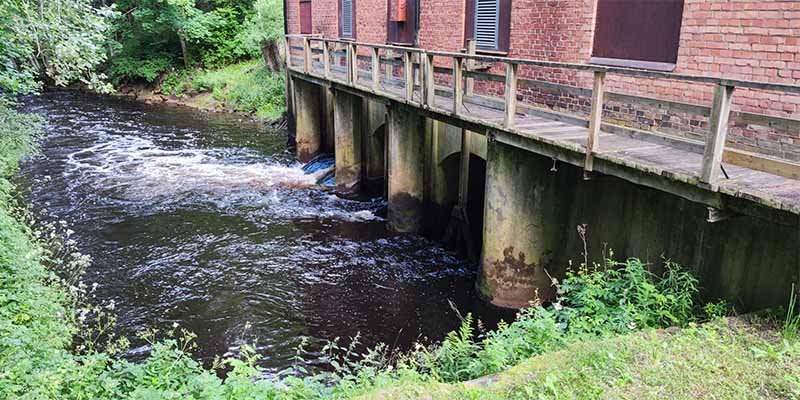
740,39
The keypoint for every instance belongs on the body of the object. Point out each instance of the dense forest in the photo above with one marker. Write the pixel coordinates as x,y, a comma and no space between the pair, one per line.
169,44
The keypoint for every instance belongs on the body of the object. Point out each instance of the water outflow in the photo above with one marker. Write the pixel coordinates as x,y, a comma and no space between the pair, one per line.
206,221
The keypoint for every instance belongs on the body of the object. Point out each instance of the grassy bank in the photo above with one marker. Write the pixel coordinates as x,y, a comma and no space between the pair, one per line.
246,87
723,359
598,340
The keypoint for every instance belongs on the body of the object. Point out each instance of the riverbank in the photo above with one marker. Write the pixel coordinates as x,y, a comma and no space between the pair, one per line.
246,88
723,359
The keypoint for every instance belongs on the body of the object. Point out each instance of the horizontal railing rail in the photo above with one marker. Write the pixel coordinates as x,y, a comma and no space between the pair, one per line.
419,72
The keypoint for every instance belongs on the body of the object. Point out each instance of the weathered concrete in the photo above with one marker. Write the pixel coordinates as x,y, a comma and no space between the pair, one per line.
524,223
308,119
534,207
374,142
406,164
348,133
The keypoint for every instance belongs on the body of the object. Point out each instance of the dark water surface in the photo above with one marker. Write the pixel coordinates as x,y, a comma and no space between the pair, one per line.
206,221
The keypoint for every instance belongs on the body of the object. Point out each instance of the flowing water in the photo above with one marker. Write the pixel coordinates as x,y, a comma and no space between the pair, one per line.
205,221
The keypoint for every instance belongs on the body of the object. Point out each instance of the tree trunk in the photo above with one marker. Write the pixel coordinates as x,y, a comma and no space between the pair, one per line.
269,50
184,51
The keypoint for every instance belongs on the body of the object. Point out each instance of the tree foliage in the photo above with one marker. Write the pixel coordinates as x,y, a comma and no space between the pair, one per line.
52,41
158,35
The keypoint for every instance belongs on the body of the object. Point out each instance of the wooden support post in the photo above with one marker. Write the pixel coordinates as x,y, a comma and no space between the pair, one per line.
376,69
511,95
354,63
408,66
715,141
430,81
458,90
326,60
306,55
470,82
287,53
349,63
595,121
389,67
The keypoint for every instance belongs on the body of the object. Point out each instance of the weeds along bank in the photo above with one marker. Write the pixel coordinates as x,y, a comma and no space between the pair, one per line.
55,344
247,87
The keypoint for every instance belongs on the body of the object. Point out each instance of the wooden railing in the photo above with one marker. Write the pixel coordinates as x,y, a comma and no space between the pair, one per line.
719,113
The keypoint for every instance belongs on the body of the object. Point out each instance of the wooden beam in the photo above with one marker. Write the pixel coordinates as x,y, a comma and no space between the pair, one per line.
472,48
408,66
376,69
326,60
760,162
287,53
306,55
354,63
349,63
430,81
511,95
458,90
595,120
715,141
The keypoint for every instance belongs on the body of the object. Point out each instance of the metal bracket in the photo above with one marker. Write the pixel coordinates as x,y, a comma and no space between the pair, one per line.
717,215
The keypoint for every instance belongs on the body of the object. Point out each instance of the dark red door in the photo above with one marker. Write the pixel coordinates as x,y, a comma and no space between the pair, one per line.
638,30
403,21
305,16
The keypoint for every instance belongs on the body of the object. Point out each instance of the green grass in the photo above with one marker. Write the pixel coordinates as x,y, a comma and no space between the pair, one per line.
246,87
724,359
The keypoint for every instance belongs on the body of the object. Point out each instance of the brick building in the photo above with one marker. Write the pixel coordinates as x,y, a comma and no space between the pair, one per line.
738,39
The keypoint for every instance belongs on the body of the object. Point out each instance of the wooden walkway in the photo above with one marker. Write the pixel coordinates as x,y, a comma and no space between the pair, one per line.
667,163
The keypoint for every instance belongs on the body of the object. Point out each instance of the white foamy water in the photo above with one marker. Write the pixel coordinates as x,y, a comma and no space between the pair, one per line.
135,169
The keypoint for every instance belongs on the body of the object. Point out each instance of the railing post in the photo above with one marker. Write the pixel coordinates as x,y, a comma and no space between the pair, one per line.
470,82
511,95
715,141
354,63
458,90
408,67
430,81
287,53
349,63
326,62
306,55
595,120
376,68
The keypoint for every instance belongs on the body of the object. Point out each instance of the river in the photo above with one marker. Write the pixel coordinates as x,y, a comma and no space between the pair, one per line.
206,221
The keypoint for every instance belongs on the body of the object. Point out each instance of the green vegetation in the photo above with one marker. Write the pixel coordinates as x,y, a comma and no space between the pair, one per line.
247,87
57,42
723,359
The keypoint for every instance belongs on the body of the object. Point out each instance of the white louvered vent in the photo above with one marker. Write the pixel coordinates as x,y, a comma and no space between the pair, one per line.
487,23
347,18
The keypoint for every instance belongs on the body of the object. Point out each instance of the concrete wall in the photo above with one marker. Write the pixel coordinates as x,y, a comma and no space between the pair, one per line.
748,261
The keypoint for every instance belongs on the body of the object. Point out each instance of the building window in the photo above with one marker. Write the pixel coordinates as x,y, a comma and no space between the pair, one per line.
347,18
488,23
305,16
636,33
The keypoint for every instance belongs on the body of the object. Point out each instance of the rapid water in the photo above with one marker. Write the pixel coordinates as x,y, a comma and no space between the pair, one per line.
205,221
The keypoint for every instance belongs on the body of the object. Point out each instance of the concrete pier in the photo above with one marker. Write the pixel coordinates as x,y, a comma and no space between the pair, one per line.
308,119
406,169
348,136
523,226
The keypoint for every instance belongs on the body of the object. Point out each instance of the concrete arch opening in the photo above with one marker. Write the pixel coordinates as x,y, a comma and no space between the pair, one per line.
463,230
